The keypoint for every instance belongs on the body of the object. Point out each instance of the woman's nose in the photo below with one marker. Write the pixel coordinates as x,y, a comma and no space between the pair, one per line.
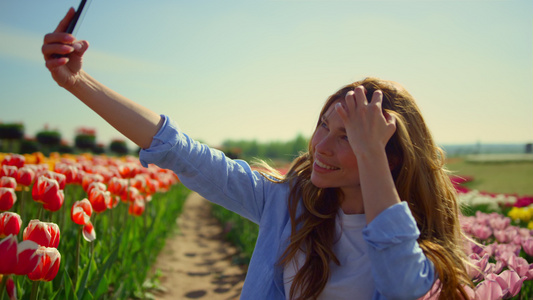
324,146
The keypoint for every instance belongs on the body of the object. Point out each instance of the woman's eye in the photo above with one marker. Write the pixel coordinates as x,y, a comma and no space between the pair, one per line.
324,125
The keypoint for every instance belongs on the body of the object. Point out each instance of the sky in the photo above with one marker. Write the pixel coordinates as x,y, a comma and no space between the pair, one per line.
262,69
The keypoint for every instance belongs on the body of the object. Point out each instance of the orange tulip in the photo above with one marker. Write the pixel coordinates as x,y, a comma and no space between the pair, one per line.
19,259
81,212
7,198
10,223
9,182
43,233
48,265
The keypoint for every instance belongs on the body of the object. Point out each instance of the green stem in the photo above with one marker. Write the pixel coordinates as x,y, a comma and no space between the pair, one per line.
40,213
3,286
78,246
34,290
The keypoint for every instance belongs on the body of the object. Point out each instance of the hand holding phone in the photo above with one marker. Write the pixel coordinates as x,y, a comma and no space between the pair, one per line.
75,21
78,17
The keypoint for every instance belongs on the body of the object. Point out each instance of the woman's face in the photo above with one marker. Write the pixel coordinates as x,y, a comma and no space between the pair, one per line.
335,164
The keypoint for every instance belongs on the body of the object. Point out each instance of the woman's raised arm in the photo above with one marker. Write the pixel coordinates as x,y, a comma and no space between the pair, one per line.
63,55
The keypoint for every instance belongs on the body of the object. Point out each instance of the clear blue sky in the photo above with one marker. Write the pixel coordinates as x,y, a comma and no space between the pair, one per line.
262,69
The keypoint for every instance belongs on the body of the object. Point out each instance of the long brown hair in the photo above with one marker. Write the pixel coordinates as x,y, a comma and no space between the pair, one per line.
420,179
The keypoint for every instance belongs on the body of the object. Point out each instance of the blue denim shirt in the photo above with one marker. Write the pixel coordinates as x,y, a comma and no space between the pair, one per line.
399,267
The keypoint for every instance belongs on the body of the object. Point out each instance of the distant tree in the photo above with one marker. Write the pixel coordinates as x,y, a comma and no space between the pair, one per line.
49,138
28,146
11,133
119,147
85,139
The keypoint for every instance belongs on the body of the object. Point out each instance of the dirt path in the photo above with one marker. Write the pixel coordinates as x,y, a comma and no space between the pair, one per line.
196,262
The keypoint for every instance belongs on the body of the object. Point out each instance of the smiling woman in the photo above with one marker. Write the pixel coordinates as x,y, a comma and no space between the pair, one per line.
368,201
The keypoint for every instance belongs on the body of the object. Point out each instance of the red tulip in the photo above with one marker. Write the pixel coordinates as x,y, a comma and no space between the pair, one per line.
100,200
70,172
118,186
61,179
46,191
81,212
9,182
10,223
137,207
15,258
10,288
96,185
48,265
128,170
7,198
25,176
88,232
16,160
43,233
90,178
9,171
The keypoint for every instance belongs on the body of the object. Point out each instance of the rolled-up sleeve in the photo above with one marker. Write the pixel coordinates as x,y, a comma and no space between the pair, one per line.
400,268
230,183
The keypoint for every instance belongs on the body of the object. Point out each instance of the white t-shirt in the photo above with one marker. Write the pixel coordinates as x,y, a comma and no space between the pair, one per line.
353,278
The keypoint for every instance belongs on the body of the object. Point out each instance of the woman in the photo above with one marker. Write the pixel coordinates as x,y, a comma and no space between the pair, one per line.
367,213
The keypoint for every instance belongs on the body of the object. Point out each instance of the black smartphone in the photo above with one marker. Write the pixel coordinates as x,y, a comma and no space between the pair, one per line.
78,17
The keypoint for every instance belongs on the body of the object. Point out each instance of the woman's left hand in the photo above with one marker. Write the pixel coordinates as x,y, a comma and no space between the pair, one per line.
368,128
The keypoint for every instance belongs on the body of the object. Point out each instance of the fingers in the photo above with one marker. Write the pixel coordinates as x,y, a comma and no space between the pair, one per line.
63,24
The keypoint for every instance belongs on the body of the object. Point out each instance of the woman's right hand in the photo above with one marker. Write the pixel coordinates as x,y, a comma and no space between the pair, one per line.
63,54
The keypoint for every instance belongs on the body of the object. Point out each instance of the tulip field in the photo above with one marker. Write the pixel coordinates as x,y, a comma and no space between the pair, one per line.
90,227
82,227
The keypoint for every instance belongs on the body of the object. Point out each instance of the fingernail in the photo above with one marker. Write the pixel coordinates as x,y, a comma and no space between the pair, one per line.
77,46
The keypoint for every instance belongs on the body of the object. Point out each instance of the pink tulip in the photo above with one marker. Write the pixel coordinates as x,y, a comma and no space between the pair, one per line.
489,290
480,263
510,282
499,222
500,236
519,265
527,245
482,232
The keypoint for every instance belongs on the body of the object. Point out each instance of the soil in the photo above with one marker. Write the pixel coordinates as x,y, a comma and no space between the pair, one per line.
196,263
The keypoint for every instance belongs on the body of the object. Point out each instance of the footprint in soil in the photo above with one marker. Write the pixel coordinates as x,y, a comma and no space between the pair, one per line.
195,294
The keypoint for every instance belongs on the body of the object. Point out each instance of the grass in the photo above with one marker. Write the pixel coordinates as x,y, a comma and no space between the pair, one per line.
496,177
